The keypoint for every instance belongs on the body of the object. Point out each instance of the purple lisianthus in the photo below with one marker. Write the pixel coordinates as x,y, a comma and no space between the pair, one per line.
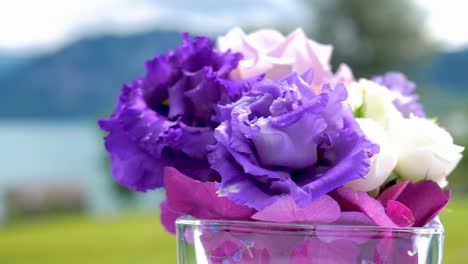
166,118
282,138
406,101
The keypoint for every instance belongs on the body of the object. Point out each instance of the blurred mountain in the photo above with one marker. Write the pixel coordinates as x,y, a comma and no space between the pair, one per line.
81,80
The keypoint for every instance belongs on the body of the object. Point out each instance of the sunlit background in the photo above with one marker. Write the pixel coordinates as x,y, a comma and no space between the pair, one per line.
62,64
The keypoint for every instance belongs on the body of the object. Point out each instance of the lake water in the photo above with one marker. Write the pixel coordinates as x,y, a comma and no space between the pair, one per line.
41,153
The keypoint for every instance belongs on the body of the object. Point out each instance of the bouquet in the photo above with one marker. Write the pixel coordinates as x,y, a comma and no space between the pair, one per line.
261,129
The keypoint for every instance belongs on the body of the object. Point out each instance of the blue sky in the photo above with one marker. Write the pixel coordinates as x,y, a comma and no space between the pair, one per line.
38,26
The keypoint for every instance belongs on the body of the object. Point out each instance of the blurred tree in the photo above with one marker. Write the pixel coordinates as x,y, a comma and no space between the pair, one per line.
371,36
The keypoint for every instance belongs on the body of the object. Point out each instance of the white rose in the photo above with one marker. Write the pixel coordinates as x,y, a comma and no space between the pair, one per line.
426,151
382,164
371,100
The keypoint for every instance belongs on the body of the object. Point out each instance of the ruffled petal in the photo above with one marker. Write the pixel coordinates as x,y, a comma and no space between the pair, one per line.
131,166
406,101
350,156
282,138
235,180
167,117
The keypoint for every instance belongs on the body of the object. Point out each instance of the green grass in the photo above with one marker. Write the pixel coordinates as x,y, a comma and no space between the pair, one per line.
136,239
140,239
455,219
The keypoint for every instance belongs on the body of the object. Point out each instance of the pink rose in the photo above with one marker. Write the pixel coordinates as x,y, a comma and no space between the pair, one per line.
268,51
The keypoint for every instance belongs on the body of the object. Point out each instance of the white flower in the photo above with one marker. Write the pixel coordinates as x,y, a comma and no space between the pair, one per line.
370,100
426,151
382,164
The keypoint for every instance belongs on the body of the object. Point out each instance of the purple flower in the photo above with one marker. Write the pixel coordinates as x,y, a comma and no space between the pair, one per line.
166,118
283,138
406,101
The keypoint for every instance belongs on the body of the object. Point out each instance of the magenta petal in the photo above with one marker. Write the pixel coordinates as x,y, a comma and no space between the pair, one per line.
232,247
441,206
328,235
400,214
285,210
225,251
350,200
395,251
354,218
393,192
199,199
425,199
314,250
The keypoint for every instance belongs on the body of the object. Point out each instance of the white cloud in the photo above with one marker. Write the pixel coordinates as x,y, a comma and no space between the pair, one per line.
447,21
32,26
47,24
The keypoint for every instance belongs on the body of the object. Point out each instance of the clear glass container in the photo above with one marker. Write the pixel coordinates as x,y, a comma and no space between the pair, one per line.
222,241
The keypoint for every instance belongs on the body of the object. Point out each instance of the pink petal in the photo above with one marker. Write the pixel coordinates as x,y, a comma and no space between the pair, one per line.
307,54
308,76
344,74
224,251
314,250
266,39
400,214
354,218
395,250
285,210
278,68
393,192
325,234
199,199
350,200
236,247
236,40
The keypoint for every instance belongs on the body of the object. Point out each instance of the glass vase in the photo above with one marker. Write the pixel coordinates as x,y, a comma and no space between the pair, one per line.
221,241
